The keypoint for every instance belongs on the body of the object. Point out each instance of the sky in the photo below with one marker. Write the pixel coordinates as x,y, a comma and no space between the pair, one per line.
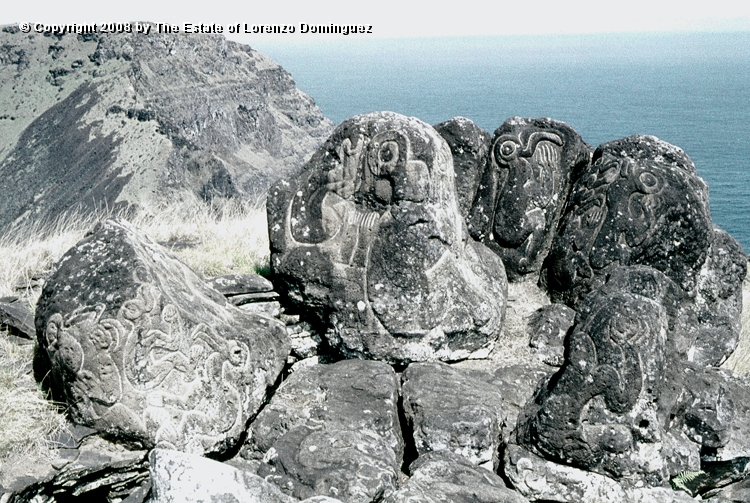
400,18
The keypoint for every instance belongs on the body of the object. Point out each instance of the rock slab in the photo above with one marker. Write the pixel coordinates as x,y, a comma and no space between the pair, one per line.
331,430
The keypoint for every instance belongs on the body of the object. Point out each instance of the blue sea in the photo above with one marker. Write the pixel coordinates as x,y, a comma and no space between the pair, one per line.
692,90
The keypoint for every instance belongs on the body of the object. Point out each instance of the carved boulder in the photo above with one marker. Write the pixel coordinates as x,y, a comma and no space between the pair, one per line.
370,239
141,349
523,190
640,202
469,146
599,412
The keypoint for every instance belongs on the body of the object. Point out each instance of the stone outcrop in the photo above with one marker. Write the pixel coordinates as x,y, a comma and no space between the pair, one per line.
141,349
446,477
107,121
176,476
609,394
523,190
86,466
639,202
369,237
332,430
449,410
469,146
628,405
598,413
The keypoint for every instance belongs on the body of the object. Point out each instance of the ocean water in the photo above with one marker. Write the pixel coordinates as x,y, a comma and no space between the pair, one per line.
692,90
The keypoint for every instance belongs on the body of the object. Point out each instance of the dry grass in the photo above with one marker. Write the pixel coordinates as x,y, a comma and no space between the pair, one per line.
211,239
27,419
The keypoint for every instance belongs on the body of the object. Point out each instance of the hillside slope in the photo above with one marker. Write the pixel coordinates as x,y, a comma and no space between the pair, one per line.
111,120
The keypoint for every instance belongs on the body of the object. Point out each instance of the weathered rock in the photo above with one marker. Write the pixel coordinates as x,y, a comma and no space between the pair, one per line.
703,328
739,361
118,119
230,285
548,326
524,188
449,410
599,412
450,478
142,349
87,468
250,298
640,202
369,237
17,318
469,146
270,308
713,324
739,492
187,478
518,385
542,480
331,430
305,340
709,406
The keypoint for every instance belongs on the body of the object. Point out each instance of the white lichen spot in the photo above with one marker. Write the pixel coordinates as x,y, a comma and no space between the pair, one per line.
361,306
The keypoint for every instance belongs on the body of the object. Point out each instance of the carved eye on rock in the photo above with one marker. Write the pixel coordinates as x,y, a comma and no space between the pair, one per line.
506,151
389,150
388,156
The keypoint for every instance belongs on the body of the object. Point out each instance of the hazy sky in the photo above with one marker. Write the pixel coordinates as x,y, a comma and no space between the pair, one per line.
400,18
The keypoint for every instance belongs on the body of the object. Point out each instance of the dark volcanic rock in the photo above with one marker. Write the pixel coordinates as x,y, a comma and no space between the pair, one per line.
369,237
445,477
704,328
599,412
127,119
332,430
469,146
17,318
141,349
640,202
449,410
92,469
518,384
709,406
230,285
524,188
714,322
548,326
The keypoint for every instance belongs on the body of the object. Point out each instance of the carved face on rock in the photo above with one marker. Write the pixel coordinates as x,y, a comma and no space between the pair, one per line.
524,189
367,232
640,202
